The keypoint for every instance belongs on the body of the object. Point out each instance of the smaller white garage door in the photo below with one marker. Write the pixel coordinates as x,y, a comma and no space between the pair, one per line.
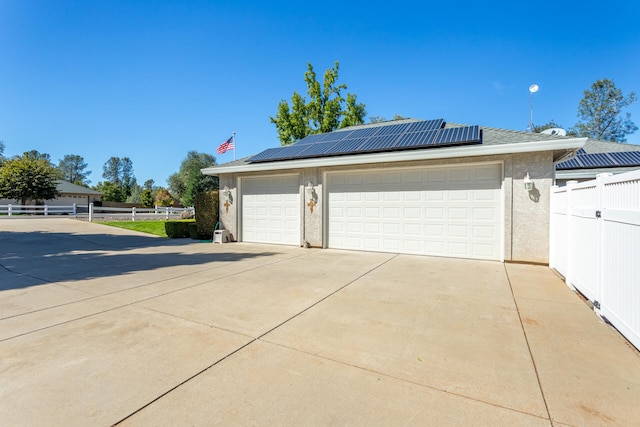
450,211
271,210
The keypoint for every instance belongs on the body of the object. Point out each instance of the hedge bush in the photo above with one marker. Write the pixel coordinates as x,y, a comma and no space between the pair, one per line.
193,231
206,205
177,229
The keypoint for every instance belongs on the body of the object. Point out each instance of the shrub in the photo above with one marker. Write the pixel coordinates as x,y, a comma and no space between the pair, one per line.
206,205
193,231
177,229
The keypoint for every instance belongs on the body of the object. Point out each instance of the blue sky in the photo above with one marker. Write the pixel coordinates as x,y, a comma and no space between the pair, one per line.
151,80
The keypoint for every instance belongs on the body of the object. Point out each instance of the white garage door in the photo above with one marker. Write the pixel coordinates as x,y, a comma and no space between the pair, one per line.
449,211
271,210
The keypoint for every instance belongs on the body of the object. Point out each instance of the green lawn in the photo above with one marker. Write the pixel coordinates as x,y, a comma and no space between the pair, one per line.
151,227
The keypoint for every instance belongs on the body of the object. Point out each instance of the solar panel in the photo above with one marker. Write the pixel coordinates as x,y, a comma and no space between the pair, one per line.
363,133
569,164
581,151
426,125
392,129
318,149
265,155
626,158
374,139
310,139
379,143
596,160
416,139
458,135
346,146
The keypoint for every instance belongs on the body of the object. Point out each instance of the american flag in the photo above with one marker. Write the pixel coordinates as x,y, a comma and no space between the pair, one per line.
226,146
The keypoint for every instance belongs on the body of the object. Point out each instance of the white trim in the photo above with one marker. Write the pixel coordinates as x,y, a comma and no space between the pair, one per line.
406,155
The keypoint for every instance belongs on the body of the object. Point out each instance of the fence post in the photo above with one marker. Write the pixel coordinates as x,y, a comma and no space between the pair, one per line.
46,210
9,209
90,212
568,253
599,241
75,209
155,209
133,213
166,212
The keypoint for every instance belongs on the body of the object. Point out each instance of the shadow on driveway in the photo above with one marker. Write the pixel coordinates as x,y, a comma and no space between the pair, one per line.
32,258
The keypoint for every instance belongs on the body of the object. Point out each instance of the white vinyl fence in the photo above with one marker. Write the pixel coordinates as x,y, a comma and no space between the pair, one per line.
46,210
133,214
595,245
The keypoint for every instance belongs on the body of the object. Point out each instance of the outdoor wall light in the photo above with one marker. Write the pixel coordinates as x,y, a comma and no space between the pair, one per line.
528,184
226,192
311,195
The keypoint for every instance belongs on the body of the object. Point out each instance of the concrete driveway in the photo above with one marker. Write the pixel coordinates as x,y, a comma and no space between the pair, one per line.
101,326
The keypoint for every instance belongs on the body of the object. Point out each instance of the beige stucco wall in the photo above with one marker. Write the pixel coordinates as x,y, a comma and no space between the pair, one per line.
526,215
530,240
228,210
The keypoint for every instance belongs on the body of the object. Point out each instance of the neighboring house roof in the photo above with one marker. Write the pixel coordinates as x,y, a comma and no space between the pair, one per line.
66,187
600,157
491,141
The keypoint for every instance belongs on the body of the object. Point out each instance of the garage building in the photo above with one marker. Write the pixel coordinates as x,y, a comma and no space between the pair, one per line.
423,187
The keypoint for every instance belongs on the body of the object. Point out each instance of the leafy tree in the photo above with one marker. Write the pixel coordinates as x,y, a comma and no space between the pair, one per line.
72,168
148,184
601,112
110,191
36,155
135,194
146,198
327,110
28,178
164,198
379,119
189,181
119,172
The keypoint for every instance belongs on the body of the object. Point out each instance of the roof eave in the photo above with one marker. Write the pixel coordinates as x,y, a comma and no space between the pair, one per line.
558,146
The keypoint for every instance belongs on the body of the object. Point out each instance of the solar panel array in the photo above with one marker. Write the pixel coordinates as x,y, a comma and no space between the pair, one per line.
601,160
374,139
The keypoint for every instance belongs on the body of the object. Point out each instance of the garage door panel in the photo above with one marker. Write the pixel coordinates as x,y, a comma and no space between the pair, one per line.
271,210
449,211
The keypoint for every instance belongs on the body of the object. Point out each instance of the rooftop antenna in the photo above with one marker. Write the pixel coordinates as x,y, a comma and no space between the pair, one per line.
532,89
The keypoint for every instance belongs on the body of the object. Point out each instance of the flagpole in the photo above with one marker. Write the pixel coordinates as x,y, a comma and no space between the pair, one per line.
234,145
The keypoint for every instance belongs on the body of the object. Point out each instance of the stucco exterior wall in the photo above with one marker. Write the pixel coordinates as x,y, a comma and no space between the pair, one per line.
313,208
228,209
530,231
525,214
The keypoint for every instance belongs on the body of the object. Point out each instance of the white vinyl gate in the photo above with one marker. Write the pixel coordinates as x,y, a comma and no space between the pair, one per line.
595,245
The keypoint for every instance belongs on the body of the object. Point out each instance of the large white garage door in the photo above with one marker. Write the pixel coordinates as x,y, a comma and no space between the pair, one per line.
450,211
271,210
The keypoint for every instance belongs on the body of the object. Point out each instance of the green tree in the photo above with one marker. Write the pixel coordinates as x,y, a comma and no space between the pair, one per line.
379,119
36,155
1,153
72,168
27,178
189,181
164,198
146,198
326,110
119,172
110,191
601,111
